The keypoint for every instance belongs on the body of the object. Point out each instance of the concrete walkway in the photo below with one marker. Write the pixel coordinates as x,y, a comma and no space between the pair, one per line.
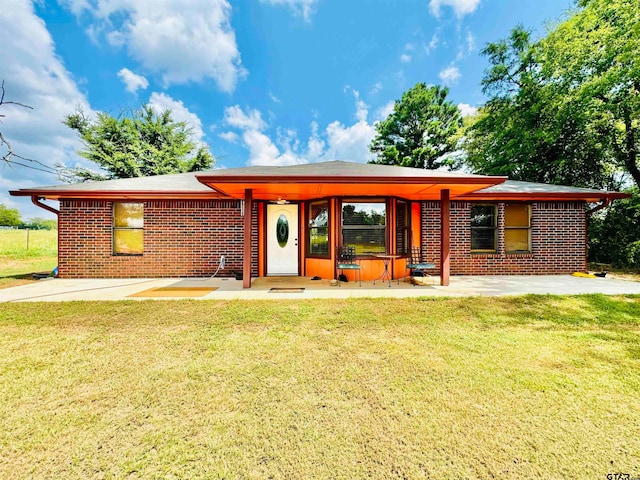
54,290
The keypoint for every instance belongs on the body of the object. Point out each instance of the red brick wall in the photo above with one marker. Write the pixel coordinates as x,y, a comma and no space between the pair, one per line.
181,239
558,241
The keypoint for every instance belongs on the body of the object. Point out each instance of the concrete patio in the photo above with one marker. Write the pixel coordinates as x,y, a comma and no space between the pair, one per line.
55,290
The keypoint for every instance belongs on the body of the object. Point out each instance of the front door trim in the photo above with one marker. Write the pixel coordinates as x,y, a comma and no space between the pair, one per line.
283,255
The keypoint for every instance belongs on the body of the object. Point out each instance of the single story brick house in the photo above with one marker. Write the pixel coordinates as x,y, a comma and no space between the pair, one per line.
290,220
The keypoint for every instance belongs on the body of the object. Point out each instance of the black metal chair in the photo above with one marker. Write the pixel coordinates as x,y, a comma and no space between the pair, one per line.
418,264
346,260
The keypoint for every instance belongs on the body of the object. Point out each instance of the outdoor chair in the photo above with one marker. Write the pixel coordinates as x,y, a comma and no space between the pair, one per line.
346,260
418,264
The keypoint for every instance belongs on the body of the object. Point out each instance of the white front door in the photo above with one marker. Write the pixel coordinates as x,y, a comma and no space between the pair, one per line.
282,239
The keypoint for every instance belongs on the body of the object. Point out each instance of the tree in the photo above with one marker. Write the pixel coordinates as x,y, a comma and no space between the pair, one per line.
614,234
43,223
529,130
419,131
9,216
594,59
564,109
142,144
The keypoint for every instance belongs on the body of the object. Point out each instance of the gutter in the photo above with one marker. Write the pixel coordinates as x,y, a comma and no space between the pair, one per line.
36,201
605,203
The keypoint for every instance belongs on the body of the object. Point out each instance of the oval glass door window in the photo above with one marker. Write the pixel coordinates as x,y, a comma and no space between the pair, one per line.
282,231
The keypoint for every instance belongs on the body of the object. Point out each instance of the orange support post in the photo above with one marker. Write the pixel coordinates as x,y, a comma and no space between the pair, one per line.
445,236
248,220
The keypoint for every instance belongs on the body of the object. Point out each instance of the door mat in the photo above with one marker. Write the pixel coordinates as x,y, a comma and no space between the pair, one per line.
175,292
286,290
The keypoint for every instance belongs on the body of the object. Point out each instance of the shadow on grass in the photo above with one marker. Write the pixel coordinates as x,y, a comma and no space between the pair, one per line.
574,311
26,276
15,280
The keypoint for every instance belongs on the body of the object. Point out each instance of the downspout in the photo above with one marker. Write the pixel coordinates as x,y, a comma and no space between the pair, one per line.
36,201
605,203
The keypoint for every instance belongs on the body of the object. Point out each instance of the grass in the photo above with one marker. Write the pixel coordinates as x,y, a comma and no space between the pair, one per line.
525,387
17,263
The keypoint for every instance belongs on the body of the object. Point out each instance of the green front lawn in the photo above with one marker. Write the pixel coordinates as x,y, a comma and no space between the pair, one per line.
527,387
24,252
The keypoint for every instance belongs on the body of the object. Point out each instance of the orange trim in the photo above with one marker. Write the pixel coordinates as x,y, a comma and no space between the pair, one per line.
313,189
445,237
261,243
332,179
416,224
302,230
248,217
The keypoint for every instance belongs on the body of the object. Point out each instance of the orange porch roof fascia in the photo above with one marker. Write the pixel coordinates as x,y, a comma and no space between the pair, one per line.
292,188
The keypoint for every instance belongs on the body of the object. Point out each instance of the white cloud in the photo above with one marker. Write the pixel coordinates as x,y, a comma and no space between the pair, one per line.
252,120
35,76
433,43
180,113
315,145
350,143
133,82
405,58
460,7
229,136
450,75
471,42
181,41
466,47
303,8
376,88
467,110
337,141
262,150
273,98
362,110
386,110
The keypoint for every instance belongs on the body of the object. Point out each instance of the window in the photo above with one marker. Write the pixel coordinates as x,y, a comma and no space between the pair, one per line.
319,229
483,228
402,227
364,225
517,228
128,232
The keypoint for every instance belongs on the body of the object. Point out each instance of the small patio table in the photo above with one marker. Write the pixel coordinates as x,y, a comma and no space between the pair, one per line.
386,274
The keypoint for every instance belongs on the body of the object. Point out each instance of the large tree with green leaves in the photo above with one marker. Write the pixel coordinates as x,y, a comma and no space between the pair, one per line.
594,60
420,130
143,143
528,130
564,109
9,217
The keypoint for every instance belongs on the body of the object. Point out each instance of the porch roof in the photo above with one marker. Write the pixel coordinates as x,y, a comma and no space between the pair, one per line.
338,178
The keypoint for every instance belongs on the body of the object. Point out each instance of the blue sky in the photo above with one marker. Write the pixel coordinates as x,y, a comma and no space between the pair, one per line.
262,82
